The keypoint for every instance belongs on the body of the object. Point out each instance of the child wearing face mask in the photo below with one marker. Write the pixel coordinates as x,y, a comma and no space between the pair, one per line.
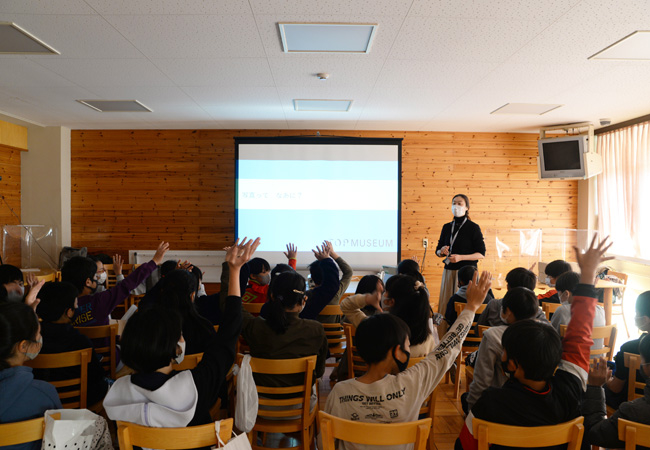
552,271
11,278
57,312
389,391
21,396
616,386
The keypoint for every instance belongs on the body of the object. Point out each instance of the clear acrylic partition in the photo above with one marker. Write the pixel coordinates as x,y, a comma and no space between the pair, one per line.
530,248
29,246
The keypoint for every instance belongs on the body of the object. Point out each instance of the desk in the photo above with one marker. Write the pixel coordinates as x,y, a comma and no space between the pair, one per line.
608,290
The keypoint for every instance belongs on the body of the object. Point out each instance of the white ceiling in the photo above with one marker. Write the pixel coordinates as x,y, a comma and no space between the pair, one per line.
434,64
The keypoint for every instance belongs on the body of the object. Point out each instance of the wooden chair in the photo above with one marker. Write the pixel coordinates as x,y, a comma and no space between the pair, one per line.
633,364
469,371
618,308
607,334
111,276
253,308
76,389
130,435
109,359
22,432
189,362
512,436
428,407
375,434
47,277
549,308
470,344
280,417
356,364
633,434
335,334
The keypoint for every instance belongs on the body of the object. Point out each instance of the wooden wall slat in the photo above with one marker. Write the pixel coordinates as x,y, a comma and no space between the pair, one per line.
133,188
10,190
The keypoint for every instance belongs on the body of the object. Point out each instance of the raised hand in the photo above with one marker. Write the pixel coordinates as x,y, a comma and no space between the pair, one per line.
374,300
321,253
240,253
117,264
31,299
160,253
330,249
31,280
598,372
478,289
292,251
185,265
591,259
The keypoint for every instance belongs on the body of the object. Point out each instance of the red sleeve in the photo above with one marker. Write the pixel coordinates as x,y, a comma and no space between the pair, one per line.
547,294
467,440
292,263
577,340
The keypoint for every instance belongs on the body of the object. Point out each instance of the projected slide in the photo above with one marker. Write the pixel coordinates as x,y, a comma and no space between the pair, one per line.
304,193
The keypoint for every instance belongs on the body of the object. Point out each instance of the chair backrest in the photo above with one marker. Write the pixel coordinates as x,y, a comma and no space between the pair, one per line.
428,407
22,432
607,334
111,277
299,395
549,308
47,277
356,364
130,435
487,433
189,362
473,337
633,364
253,308
633,434
379,434
334,332
620,275
481,330
73,391
109,360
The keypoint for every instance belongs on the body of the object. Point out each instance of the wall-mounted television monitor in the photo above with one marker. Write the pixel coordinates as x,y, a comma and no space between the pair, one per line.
567,158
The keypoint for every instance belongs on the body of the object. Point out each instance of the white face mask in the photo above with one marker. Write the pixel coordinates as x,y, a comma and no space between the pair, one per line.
564,297
102,278
179,358
16,296
458,211
32,355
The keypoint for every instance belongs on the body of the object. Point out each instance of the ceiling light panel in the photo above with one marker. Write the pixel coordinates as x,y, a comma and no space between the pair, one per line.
115,105
635,46
327,37
525,108
17,40
322,105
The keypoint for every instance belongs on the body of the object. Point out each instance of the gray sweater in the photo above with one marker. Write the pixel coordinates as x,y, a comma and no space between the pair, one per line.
487,369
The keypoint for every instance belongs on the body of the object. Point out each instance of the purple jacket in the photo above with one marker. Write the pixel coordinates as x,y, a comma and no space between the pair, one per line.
94,309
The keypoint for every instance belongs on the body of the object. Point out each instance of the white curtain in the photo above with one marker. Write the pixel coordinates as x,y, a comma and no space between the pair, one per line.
624,190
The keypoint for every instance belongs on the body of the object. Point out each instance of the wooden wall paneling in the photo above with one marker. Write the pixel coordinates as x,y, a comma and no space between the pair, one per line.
133,188
13,135
10,190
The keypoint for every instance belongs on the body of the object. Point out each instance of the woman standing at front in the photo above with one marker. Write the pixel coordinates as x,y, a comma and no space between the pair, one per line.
461,244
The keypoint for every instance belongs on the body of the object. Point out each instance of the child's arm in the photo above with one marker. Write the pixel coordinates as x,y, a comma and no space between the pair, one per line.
291,254
345,268
323,294
351,307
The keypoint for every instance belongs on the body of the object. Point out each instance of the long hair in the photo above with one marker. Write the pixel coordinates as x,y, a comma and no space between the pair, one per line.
286,291
411,305
18,322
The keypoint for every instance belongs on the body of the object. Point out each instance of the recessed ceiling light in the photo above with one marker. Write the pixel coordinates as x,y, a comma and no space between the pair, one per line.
115,105
525,108
327,37
16,40
635,46
322,105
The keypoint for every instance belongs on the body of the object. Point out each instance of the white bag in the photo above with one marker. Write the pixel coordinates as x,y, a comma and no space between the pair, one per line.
247,401
240,442
77,429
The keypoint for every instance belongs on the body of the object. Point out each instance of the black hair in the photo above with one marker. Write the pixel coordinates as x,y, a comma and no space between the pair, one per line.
522,302
285,292
535,346
176,291
17,323
150,338
556,268
410,267
258,265
466,274
9,274
411,305
568,281
56,299
379,334
368,284
101,257
167,267
77,270
280,268
643,304
464,197
316,272
196,271
521,277
3,294
644,347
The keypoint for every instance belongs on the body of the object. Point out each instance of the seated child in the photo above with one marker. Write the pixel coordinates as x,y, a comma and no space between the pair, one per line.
260,276
11,278
566,285
323,285
553,270
156,395
95,307
547,375
616,386
101,274
389,391
518,304
56,310
465,275
517,277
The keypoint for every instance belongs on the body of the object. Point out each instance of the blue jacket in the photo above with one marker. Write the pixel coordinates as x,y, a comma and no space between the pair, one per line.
23,398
